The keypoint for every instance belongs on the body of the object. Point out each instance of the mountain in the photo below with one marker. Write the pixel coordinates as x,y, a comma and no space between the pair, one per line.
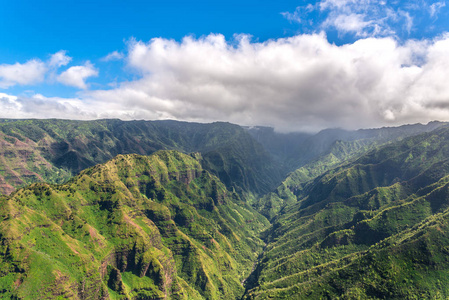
296,149
135,227
282,146
373,227
328,149
249,160
213,212
54,150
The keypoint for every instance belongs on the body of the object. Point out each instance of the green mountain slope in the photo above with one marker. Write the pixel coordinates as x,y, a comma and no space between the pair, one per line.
54,150
352,145
365,216
366,229
413,264
136,227
294,150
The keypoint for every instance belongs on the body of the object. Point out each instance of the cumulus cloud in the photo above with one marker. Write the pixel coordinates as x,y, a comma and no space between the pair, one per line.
9,105
31,72
76,76
113,56
38,106
297,83
349,23
59,59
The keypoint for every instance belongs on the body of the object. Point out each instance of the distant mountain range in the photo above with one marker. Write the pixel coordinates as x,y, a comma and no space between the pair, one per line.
112,209
54,150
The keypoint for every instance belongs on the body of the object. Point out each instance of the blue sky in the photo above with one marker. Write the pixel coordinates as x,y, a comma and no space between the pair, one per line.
294,65
89,30
92,29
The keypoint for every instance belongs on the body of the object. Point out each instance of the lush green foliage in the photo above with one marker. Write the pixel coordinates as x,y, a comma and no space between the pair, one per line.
53,150
375,227
311,156
364,216
141,227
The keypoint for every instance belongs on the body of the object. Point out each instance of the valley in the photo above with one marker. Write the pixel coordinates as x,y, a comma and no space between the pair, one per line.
112,209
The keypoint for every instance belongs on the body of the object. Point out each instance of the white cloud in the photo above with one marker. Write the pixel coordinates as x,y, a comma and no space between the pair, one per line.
299,13
435,8
8,105
350,23
302,82
297,83
340,4
408,25
59,59
113,56
76,76
38,106
31,72
365,18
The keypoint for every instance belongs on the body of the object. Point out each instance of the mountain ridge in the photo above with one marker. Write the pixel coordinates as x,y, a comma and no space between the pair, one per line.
345,212
204,225
137,226
55,150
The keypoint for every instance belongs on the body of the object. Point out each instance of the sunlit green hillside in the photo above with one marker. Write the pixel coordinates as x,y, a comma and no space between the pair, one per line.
141,227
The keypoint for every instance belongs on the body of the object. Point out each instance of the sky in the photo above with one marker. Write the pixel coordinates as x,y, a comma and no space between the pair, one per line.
293,65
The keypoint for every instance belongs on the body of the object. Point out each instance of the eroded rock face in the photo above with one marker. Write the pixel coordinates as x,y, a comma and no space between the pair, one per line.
5,188
20,163
152,263
68,147
186,176
155,227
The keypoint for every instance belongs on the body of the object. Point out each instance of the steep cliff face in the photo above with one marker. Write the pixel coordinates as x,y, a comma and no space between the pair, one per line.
21,163
136,227
53,150
371,228
325,151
